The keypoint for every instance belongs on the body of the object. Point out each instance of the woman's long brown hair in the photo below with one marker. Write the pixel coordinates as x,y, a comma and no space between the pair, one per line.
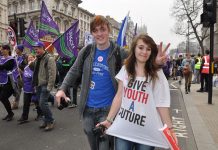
150,68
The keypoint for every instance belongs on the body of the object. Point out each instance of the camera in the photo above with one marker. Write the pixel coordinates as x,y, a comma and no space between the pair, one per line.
63,103
99,130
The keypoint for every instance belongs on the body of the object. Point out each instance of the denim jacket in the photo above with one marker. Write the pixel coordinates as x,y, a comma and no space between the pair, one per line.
83,68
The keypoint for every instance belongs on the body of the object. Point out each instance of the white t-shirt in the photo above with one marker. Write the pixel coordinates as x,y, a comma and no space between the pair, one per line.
138,119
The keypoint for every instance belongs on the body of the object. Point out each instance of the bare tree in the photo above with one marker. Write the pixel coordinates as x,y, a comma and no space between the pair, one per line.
186,13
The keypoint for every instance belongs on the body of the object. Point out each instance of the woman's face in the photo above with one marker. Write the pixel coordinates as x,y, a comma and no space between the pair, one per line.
30,58
142,52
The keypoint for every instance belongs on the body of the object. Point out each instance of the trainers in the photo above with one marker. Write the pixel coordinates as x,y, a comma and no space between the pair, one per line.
200,90
38,117
49,126
9,117
72,106
22,120
43,125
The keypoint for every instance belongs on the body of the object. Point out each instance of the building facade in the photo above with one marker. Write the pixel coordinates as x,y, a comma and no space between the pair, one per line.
3,21
85,18
64,12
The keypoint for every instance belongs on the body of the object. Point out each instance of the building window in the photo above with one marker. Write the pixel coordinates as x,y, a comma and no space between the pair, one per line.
81,24
39,2
84,25
9,9
66,24
81,15
65,8
31,5
73,11
37,25
15,7
84,17
58,4
22,7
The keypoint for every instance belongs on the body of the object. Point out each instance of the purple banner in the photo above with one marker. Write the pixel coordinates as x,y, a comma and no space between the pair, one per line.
47,25
66,45
30,37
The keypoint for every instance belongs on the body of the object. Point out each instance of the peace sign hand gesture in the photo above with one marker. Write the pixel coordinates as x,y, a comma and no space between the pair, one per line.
161,58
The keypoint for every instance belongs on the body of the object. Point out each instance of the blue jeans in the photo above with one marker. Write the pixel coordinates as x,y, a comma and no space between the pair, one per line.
43,95
91,117
121,144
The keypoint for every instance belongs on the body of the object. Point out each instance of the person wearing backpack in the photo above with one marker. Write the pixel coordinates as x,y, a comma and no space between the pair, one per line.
96,67
44,76
188,67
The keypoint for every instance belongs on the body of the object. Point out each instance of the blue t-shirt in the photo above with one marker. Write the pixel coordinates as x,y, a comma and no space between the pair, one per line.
101,91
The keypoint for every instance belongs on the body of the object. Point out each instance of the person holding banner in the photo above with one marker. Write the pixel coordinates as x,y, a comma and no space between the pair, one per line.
44,79
7,63
141,105
17,74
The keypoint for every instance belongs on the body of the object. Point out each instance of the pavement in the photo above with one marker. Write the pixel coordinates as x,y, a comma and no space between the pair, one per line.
203,116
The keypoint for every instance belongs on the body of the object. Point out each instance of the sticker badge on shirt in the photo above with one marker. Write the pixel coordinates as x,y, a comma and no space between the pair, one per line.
100,58
92,85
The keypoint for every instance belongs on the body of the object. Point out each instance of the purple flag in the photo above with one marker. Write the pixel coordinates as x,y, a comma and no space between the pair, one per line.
75,51
66,44
30,37
47,24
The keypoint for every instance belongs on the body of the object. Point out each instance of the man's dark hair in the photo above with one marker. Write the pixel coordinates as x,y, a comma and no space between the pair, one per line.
7,47
207,52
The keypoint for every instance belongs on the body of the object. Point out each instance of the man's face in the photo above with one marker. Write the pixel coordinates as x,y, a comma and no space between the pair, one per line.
101,34
39,51
18,52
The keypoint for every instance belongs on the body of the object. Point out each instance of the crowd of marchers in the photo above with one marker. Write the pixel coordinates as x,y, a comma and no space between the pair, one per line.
104,71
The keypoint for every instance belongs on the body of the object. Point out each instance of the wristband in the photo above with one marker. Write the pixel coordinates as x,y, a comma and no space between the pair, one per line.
171,128
109,120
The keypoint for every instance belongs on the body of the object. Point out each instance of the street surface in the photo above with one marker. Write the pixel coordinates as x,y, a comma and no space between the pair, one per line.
68,133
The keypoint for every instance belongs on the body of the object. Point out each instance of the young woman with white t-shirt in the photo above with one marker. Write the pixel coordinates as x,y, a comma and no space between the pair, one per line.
141,105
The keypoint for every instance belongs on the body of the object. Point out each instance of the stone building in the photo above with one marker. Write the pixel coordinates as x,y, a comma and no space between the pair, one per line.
64,12
3,21
85,18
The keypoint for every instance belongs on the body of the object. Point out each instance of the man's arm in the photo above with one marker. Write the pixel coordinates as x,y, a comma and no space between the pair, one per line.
51,73
75,72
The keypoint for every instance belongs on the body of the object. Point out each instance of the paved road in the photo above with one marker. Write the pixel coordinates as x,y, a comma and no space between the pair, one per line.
68,133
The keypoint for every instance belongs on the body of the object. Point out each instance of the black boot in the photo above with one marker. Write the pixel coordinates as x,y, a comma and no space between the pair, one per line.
186,90
189,89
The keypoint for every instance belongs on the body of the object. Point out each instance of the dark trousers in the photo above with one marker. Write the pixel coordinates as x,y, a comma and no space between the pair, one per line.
6,91
204,81
26,105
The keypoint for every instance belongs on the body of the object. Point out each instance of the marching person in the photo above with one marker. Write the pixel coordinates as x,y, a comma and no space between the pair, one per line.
141,105
29,92
7,63
44,79
21,62
188,68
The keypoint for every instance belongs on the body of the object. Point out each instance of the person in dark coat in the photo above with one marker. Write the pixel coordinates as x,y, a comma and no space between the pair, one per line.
7,63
